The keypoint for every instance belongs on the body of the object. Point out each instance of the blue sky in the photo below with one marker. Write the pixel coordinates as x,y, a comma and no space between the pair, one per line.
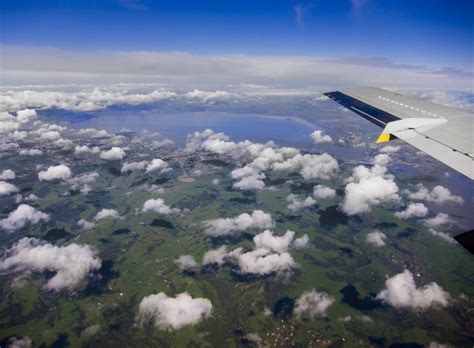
428,32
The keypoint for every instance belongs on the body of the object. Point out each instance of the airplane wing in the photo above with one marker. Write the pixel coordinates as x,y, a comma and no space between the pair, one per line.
443,133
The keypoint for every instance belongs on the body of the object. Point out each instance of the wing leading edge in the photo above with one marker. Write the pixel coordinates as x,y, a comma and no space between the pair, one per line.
443,133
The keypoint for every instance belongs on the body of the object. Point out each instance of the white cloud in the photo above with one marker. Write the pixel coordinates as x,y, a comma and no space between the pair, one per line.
186,263
86,150
157,164
215,256
278,244
107,214
26,115
263,262
301,242
14,342
72,263
50,135
159,206
376,238
401,292
115,153
439,219
310,166
92,133
208,97
61,172
389,149
381,159
7,174
312,303
133,166
85,225
319,138
23,215
7,189
413,210
31,152
369,187
443,235
250,183
225,226
295,204
439,194
18,135
84,178
82,100
173,312
322,192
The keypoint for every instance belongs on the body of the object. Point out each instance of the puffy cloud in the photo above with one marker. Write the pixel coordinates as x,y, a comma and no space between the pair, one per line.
18,135
107,214
439,194
85,225
84,178
401,292
312,303
301,242
376,238
309,166
61,172
85,100
389,149
115,153
159,206
443,235
369,187
208,97
21,216
155,144
133,166
72,263
381,159
7,174
413,210
92,133
250,183
263,262
226,226
157,164
319,138
295,204
7,189
15,342
31,152
439,219
278,244
50,135
86,150
215,256
26,115
173,312
186,263
321,192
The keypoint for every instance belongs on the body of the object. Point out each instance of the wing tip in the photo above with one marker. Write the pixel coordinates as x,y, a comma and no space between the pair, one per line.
466,239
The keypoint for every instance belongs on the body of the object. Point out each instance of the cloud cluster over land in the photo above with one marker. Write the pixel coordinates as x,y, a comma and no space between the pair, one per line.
60,172
166,312
107,214
319,138
23,215
413,210
258,219
401,292
368,187
159,206
376,238
72,263
439,194
312,303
